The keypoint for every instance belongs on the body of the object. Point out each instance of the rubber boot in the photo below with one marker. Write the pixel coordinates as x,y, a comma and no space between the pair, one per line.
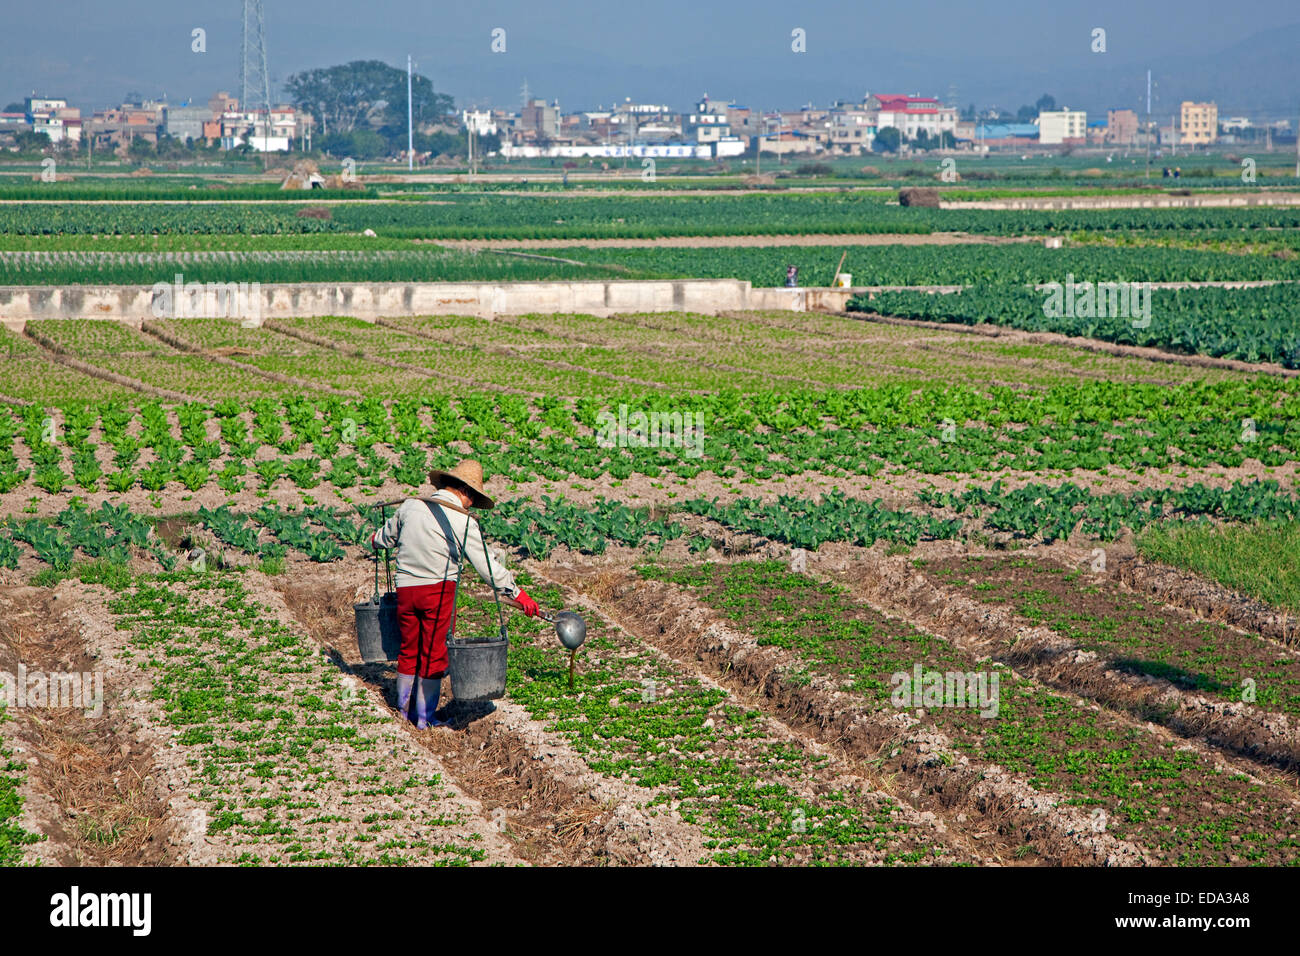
426,701
405,684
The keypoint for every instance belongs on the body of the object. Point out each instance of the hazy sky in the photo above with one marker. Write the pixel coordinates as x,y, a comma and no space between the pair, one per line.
585,53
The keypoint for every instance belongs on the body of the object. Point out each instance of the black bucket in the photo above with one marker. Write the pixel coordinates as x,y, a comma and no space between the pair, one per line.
377,635
477,668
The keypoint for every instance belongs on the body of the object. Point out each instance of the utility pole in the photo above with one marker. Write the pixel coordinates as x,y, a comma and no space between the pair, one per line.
1148,124
410,112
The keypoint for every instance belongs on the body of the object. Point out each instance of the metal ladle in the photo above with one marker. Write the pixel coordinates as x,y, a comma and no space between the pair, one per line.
570,628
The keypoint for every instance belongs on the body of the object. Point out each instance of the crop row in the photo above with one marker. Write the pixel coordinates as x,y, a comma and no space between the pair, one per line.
758,796
143,219
835,452
1254,325
175,190
764,214
369,444
1138,786
973,264
1053,512
424,265
505,216
564,355
1134,634
288,762
113,534
534,530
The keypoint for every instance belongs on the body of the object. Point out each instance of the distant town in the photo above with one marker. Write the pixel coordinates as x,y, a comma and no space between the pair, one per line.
712,129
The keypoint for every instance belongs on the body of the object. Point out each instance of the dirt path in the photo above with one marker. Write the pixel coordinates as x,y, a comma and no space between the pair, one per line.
91,788
534,789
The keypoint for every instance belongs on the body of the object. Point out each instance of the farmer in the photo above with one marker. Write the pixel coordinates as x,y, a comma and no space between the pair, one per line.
429,536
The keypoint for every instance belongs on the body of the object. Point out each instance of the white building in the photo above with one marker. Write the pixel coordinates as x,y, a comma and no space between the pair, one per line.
1057,127
912,115
733,146
482,122
238,128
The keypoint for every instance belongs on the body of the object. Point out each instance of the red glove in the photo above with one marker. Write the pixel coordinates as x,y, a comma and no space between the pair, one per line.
527,604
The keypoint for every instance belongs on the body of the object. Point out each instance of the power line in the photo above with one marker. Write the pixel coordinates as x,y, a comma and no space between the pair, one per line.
254,77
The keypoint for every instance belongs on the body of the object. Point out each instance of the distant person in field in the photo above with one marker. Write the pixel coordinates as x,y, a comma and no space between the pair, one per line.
433,538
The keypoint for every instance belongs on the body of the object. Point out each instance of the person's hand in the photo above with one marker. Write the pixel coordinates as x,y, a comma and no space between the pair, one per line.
527,604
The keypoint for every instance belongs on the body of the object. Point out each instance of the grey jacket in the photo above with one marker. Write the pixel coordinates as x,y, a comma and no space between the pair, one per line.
426,551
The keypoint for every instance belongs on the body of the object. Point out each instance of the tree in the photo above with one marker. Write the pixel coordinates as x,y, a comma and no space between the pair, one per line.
1046,102
31,142
169,147
887,140
15,108
358,144
140,149
442,143
364,92
367,144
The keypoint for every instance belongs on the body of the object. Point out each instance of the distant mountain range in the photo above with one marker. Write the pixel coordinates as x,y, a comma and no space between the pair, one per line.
1256,76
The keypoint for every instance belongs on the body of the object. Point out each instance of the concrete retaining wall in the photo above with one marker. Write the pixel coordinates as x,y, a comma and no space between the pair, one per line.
368,301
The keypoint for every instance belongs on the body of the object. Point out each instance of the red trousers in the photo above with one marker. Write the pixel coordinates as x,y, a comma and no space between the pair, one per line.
425,613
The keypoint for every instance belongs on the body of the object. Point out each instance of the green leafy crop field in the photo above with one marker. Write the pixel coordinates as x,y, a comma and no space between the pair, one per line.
911,584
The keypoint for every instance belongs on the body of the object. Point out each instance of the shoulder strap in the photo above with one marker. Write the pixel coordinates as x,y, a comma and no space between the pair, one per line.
449,532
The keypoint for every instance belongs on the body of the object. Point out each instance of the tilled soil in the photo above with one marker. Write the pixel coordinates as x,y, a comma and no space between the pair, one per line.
1129,654
356,795
1175,831
532,786
90,787
989,807
555,808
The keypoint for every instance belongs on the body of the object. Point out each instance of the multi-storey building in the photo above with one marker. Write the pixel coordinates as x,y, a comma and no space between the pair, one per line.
851,131
1065,127
912,115
1121,127
1199,124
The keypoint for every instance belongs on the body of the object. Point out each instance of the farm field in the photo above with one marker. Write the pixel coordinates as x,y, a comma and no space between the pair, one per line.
866,500
936,581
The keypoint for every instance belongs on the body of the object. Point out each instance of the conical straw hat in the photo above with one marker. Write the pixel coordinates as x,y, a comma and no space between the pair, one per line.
468,476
